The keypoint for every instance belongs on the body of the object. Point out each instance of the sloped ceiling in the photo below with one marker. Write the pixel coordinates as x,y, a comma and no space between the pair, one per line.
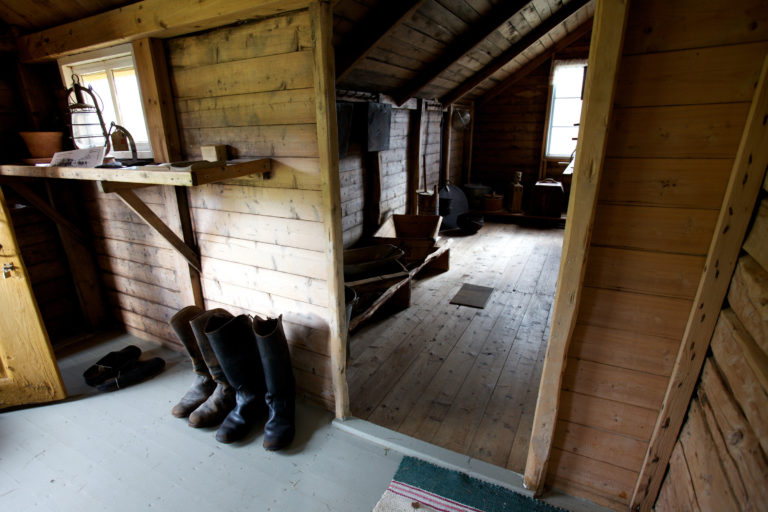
447,50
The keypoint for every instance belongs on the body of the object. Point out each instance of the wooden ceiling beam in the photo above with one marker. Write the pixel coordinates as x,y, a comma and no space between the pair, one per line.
378,25
534,63
147,18
464,43
516,49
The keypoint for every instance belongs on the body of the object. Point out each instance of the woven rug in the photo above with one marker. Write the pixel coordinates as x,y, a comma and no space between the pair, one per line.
419,485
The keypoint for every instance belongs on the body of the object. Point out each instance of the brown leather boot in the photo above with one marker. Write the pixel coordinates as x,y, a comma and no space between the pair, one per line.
203,385
222,400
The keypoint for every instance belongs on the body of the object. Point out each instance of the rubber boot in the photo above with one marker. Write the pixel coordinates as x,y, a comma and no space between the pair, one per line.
235,346
203,385
278,375
213,411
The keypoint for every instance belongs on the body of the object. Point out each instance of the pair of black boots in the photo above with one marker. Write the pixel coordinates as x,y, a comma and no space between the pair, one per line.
243,372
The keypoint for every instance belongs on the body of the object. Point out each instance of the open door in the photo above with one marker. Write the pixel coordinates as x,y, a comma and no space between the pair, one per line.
28,370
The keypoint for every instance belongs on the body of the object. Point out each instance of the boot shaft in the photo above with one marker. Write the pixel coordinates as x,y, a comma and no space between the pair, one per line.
234,344
275,356
198,326
180,325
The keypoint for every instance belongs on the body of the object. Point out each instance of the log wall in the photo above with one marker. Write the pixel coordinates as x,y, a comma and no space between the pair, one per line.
261,241
720,461
686,81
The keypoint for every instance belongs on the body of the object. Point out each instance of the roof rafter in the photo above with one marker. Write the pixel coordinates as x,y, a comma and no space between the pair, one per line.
516,49
377,26
464,43
534,63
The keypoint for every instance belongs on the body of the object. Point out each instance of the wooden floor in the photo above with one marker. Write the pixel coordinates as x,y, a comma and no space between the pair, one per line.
462,378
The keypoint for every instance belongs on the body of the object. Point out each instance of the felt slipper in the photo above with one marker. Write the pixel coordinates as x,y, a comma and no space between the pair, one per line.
108,366
133,372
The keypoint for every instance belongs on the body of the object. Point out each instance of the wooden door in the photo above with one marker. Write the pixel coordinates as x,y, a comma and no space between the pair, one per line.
28,370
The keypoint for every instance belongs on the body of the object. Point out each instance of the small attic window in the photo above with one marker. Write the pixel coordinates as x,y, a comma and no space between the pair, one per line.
112,74
565,108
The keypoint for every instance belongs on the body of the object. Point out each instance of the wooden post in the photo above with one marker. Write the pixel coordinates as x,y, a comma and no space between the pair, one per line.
604,55
372,196
180,222
321,22
746,179
447,140
469,135
157,100
414,155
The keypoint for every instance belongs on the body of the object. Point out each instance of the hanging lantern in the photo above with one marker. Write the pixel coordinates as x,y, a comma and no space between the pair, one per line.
86,123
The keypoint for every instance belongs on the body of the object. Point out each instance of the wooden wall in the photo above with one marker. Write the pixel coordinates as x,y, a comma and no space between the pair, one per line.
394,168
720,461
685,84
508,132
261,241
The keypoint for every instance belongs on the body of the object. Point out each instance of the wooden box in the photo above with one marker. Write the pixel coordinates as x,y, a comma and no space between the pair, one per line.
416,235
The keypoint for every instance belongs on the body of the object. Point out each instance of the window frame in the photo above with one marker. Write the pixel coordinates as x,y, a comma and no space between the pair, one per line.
551,108
108,60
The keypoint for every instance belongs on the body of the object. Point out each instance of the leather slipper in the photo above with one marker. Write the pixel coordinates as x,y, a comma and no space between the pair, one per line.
133,372
108,366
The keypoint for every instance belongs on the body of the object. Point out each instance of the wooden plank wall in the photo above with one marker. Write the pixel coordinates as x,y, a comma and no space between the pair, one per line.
508,132
394,169
261,240
720,461
685,85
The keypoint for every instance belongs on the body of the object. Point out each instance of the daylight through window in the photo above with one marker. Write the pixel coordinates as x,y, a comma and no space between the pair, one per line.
565,110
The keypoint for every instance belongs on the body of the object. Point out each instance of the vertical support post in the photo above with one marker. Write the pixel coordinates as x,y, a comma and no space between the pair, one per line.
157,100
604,56
180,222
372,197
414,156
469,135
447,142
321,22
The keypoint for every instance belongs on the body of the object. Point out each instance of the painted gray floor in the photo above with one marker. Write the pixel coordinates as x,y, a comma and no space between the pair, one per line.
123,451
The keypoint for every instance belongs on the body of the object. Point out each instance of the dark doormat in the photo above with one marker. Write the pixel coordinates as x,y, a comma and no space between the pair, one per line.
472,295
418,483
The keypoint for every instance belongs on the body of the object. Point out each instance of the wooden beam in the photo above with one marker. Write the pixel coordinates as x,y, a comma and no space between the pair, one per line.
157,99
372,193
142,210
445,149
377,26
602,71
46,209
147,18
537,61
746,179
516,49
180,221
480,30
321,25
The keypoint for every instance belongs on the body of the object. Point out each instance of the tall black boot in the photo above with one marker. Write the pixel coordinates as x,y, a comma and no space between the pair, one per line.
278,375
203,385
235,346
222,400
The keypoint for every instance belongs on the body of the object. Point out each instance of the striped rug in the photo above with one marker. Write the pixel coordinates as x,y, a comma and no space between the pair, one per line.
419,485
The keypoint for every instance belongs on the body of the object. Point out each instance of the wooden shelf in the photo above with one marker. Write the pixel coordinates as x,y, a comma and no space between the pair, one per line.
197,173
400,282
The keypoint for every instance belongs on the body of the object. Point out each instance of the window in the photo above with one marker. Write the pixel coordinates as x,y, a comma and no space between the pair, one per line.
565,108
112,75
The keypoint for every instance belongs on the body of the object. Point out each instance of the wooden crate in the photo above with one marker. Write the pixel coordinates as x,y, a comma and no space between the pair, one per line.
416,235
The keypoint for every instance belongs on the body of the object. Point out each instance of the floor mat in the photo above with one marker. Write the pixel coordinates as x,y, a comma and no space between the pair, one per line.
472,295
419,485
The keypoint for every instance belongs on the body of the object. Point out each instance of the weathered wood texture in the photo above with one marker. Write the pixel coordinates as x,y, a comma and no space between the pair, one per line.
394,169
656,214
260,240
